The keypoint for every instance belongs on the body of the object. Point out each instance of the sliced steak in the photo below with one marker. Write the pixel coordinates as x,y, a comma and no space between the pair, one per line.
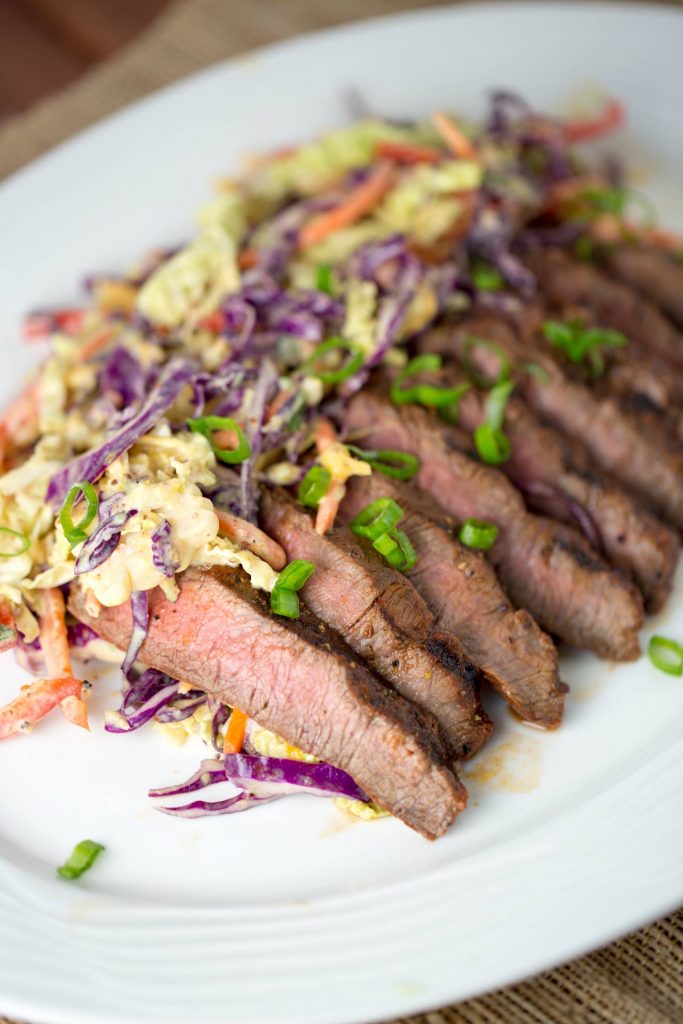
565,281
382,618
614,441
299,679
462,591
655,274
545,566
542,466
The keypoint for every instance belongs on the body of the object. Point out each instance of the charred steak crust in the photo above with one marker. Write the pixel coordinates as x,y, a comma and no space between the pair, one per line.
299,679
535,558
461,589
382,617
632,538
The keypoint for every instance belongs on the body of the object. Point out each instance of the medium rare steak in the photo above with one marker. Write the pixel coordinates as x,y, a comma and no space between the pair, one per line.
383,618
612,438
655,274
565,281
541,466
299,679
545,566
462,591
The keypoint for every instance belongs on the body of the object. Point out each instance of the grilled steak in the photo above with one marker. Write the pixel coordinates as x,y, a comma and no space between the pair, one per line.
299,679
564,281
655,274
612,438
462,591
383,618
541,466
545,566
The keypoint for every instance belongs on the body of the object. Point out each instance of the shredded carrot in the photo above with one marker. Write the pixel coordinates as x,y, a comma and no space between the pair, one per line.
99,340
213,322
20,420
225,440
328,506
357,204
325,434
407,152
583,129
34,702
9,632
247,259
281,398
458,143
234,732
55,644
251,537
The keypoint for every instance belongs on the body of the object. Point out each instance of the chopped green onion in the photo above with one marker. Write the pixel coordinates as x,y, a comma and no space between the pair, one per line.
666,655
487,279
396,548
473,373
579,343
430,395
477,533
496,403
351,366
24,541
584,248
399,465
75,532
450,413
377,518
537,371
284,599
492,444
617,199
208,425
81,860
314,486
324,281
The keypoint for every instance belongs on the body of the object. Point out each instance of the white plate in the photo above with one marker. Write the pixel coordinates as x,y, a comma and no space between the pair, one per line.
286,914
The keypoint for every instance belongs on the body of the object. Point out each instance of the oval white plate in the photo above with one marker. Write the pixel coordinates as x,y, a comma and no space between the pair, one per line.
289,914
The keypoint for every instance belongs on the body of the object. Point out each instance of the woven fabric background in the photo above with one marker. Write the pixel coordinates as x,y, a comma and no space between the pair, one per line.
638,980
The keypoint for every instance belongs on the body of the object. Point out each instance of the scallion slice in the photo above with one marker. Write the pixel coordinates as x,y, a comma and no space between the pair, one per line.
324,281
314,486
482,381
423,394
487,279
208,425
396,548
496,403
377,518
580,344
666,655
24,542
399,465
478,534
351,366
492,445
284,599
75,532
82,858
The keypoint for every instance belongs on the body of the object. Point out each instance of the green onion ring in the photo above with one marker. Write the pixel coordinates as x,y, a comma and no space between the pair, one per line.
314,486
351,366
208,425
377,518
473,373
492,445
75,532
478,534
666,655
399,465
81,860
423,394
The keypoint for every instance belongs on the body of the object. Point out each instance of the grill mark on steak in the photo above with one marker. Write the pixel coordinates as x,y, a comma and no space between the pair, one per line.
461,589
652,273
567,282
301,682
632,538
597,610
382,617
612,438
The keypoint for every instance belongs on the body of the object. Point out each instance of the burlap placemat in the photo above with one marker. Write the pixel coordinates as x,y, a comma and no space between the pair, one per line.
638,980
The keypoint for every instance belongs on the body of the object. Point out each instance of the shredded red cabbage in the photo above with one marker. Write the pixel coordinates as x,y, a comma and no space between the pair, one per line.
123,374
162,555
102,542
92,464
146,696
276,776
139,605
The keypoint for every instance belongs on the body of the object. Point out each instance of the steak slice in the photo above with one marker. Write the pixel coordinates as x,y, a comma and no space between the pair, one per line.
653,273
545,566
381,616
565,281
299,679
461,589
541,465
612,438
